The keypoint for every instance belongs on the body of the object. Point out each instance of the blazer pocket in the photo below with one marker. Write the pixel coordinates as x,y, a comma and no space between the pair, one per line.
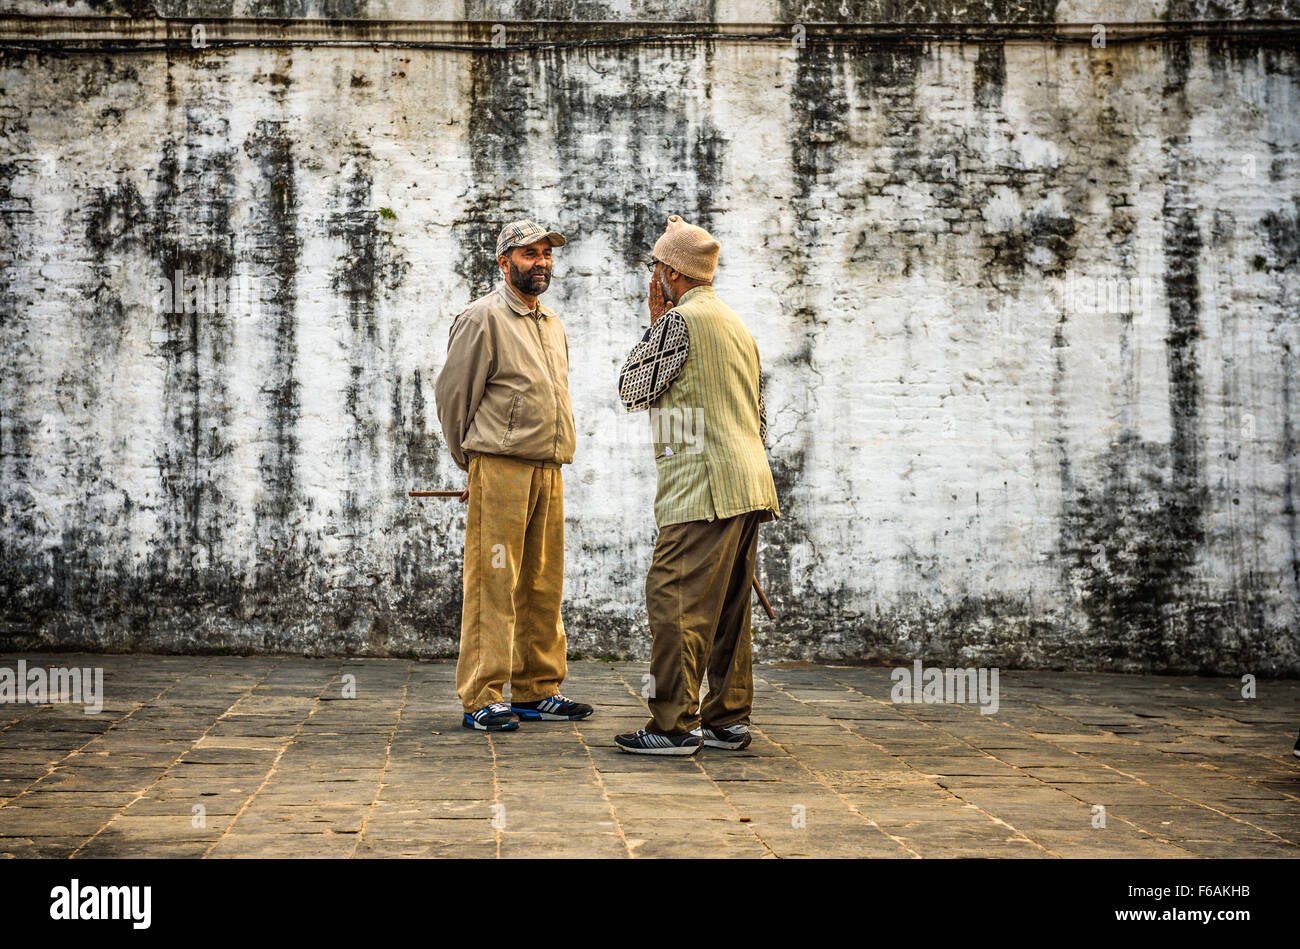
509,435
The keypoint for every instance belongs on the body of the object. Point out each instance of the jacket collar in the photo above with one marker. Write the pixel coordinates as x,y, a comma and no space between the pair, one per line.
516,303
703,289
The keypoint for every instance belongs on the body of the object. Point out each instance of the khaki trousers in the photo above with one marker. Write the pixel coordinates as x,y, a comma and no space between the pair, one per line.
698,600
510,626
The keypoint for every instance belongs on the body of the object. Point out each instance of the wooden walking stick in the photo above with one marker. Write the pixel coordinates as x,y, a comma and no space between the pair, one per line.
762,597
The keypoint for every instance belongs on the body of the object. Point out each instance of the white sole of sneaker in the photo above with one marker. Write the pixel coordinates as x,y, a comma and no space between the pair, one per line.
725,745
682,750
551,717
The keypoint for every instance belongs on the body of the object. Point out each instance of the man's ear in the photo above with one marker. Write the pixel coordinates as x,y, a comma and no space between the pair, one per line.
502,261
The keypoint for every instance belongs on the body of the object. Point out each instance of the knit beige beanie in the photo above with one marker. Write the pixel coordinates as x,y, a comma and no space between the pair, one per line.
688,249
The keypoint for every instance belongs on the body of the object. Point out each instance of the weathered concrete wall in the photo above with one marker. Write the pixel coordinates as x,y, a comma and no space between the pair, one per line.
1028,313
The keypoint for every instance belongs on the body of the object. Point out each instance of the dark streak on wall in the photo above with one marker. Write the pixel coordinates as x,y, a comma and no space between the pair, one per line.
990,75
428,600
1134,540
274,226
20,536
820,116
1283,232
497,115
909,11
369,271
192,233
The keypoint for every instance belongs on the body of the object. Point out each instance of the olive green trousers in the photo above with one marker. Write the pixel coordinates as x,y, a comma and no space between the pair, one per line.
698,596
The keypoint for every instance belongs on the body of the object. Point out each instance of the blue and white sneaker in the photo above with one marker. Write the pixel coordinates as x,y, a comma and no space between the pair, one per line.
730,737
555,709
642,742
491,718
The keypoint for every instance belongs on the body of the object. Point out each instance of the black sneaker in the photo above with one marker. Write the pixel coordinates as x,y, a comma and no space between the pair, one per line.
730,737
642,742
491,718
555,709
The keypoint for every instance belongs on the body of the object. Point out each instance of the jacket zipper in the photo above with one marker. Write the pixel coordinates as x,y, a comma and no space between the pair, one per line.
510,425
555,386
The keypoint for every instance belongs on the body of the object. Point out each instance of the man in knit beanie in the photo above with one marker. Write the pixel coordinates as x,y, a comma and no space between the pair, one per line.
697,370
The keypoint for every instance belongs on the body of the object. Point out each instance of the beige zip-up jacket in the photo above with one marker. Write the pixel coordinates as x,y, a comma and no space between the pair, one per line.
504,389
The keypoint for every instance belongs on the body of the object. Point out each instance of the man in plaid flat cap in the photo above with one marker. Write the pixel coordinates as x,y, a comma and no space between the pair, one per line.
503,402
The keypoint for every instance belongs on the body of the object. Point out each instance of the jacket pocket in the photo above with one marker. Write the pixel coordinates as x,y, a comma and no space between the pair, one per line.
509,435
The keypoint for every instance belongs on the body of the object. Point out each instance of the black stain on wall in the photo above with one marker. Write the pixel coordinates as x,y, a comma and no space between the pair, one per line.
1283,232
20,536
194,237
274,227
1291,456
591,10
662,151
192,234
324,9
369,270
1195,10
886,77
990,75
116,226
820,109
134,8
1134,541
499,160
86,587
909,11
427,597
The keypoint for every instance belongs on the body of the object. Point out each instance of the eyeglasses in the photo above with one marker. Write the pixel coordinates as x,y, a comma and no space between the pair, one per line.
650,266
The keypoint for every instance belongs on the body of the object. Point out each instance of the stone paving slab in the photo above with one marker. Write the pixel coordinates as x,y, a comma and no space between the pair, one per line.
209,756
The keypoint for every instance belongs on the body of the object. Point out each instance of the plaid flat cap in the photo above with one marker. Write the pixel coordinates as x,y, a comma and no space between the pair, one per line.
523,233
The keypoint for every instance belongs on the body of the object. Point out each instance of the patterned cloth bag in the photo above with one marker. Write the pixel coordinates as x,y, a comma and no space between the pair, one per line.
654,362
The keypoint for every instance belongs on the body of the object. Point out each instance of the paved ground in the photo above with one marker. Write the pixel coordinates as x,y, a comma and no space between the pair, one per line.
282,764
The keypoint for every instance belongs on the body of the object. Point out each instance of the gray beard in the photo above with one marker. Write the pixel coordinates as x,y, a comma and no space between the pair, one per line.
523,282
668,290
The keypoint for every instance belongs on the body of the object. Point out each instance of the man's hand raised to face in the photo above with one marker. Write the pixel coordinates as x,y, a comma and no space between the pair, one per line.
658,305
